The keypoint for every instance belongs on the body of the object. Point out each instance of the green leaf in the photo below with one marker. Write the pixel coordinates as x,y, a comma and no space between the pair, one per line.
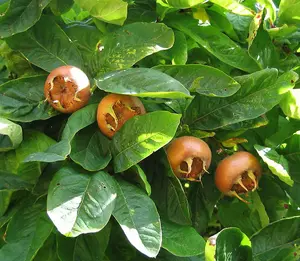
285,241
167,190
5,197
59,151
75,14
137,215
60,7
10,135
20,16
27,231
289,11
181,240
88,247
202,201
79,203
48,250
110,11
90,149
276,163
290,104
234,7
142,82
178,54
23,100
215,42
202,79
12,161
11,182
233,245
141,136
47,49
131,43
247,217
181,4
259,93
138,175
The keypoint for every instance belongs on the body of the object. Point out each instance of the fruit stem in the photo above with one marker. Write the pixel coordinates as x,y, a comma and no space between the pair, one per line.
93,88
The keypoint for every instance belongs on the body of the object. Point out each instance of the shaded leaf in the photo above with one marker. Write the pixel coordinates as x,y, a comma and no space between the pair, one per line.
10,135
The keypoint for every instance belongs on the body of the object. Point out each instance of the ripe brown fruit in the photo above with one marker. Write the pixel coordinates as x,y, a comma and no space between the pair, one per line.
189,157
67,89
238,174
115,109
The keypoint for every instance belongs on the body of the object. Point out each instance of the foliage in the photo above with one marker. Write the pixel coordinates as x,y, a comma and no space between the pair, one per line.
223,71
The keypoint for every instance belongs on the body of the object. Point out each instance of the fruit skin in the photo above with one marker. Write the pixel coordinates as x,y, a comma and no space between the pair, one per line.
67,89
185,148
115,109
233,167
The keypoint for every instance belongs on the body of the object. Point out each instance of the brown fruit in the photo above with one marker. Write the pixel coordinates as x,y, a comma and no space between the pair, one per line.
67,89
189,157
238,174
115,109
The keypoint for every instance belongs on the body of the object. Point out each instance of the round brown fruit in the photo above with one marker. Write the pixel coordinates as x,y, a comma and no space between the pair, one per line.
67,89
189,157
115,109
238,174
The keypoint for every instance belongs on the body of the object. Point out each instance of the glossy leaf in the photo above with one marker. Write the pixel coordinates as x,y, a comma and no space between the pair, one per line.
141,136
284,244
202,79
90,149
142,82
59,151
47,49
23,100
131,43
181,4
289,11
20,16
233,245
215,42
234,7
79,203
259,93
138,175
249,218
11,182
276,163
290,104
110,11
27,231
10,135
137,215
181,240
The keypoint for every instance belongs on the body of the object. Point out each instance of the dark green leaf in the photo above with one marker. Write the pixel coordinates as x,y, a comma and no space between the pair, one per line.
59,151
20,16
80,203
142,82
233,245
167,191
27,231
11,182
5,197
90,149
278,241
137,215
48,250
47,49
203,79
59,7
247,217
10,135
110,11
131,43
88,247
181,240
23,100
215,42
276,163
141,136
259,93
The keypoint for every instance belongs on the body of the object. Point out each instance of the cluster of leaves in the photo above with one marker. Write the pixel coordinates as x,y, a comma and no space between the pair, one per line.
218,70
